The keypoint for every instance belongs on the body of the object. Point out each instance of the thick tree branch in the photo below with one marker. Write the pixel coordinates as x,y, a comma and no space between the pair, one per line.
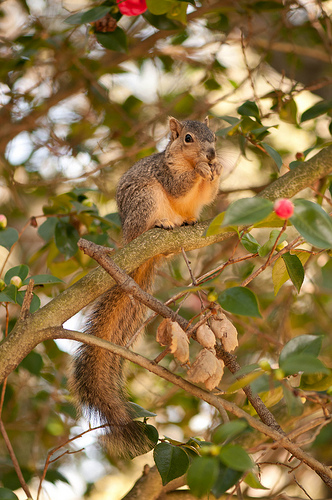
26,335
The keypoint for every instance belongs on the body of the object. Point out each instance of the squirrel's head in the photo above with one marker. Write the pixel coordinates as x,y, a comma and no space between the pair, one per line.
192,140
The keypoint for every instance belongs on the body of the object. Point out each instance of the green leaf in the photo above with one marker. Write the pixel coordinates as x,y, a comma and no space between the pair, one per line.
317,109
229,431
66,238
294,269
53,475
246,380
22,271
6,494
273,153
247,211
160,7
33,362
279,271
250,243
240,300
249,108
252,481
267,247
151,433
216,226
8,237
294,403
313,223
43,279
226,478
89,16
317,382
46,230
138,412
171,461
302,344
35,302
306,363
234,456
116,40
202,475
160,22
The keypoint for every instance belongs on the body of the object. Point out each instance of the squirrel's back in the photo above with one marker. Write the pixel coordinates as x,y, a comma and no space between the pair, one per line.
165,190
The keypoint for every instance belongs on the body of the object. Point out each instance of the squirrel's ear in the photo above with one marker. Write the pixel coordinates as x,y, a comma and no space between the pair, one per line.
206,121
175,127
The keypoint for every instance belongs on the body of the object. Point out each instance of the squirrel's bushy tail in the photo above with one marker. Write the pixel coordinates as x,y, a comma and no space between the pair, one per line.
97,376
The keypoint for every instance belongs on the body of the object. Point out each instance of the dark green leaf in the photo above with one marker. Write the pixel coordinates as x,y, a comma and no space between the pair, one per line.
8,237
295,269
33,362
53,475
226,478
229,430
235,457
302,344
89,16
273,153
116,40
43,279
138,412
247,211
317,109
66,238
22,271
151,433
202,475
239,300
10,292
171,461
6,494
306,363
35,302
249,108
267,247
46,230
313,223
250,243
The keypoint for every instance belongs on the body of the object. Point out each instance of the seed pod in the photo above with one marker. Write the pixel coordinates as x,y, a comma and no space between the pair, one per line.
205,336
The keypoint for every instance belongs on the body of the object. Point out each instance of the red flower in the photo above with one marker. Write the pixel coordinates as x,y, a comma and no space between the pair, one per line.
284,208
132,7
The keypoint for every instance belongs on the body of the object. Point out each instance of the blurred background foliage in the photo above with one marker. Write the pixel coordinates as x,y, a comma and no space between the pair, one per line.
78,107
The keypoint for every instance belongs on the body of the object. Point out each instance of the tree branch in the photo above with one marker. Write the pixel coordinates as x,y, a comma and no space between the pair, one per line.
26,335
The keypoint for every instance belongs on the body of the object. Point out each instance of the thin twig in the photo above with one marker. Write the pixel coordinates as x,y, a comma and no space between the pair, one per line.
14,460
27,300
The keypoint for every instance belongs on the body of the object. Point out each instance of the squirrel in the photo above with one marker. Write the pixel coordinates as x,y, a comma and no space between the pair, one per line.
163,190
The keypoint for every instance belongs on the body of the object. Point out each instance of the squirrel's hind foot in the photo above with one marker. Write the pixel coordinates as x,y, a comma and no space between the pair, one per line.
189,222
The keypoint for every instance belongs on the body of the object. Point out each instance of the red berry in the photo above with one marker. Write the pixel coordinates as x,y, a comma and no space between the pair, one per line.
132,7
284,208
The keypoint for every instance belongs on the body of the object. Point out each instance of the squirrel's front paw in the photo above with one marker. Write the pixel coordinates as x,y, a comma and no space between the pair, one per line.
204,170
164,224
216,168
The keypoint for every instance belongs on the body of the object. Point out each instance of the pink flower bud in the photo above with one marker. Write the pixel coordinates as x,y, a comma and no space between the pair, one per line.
3,221
284,208
132,7
16,281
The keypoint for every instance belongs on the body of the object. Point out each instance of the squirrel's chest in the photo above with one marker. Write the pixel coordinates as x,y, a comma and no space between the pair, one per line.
191,203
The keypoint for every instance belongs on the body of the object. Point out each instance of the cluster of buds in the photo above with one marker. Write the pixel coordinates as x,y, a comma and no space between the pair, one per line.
206,368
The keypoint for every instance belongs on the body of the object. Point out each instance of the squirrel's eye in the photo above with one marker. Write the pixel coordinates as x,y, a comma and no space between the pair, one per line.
188,138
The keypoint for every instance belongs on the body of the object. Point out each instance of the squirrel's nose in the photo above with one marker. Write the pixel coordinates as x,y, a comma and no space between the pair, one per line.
210,154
